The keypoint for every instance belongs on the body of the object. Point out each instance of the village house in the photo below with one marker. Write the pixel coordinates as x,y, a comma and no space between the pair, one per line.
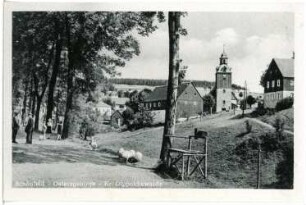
189,101
120,103
104,108
278,81
116,119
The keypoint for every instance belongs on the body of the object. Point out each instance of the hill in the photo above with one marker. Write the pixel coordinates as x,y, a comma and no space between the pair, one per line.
287,116
159,82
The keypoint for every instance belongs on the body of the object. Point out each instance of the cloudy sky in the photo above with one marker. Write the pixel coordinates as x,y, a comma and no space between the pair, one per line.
251,41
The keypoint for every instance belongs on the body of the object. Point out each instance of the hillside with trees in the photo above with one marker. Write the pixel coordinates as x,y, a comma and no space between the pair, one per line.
160,82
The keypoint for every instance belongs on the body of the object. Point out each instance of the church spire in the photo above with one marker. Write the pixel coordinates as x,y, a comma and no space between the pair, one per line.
223,58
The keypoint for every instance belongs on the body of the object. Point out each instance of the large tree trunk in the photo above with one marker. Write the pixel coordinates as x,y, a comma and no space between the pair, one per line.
69,83
169,128
25,100
56,65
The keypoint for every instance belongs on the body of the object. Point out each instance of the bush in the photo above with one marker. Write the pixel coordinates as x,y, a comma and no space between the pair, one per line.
259,111
279,124
284,104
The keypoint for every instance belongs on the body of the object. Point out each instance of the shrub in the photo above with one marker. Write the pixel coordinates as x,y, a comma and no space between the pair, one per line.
259,111
284,170
284,104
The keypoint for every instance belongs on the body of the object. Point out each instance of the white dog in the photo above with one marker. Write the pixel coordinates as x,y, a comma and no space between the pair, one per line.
41,137
93,144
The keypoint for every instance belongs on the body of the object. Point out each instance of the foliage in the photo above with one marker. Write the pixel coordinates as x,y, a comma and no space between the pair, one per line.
182,74
262,79
284,104
109,102
128,116
259,111
208,101
272,143
250,100
85,117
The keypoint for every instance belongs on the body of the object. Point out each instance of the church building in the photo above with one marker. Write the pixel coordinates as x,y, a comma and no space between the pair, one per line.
223,84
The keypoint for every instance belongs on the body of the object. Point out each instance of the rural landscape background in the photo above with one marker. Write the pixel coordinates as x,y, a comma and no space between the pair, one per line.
85,86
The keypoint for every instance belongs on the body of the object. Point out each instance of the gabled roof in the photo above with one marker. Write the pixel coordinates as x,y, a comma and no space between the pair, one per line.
102,104
118,113
286,66
160,93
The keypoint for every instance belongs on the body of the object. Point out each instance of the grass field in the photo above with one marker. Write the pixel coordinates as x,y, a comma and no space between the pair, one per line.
71,159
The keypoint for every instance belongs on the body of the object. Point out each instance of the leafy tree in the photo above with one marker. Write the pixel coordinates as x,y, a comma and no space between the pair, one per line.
182,74
250,100
100,41
209,102
262,78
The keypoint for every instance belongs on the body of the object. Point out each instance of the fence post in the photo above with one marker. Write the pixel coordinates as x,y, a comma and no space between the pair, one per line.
258,166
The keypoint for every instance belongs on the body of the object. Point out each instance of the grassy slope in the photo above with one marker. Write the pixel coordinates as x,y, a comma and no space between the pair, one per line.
225,169
287,115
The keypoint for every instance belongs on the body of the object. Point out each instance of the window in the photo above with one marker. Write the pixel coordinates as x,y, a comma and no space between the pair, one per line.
273,82
291,83
268,84
224,90
278,83
159,104
223,102
195,103
154,104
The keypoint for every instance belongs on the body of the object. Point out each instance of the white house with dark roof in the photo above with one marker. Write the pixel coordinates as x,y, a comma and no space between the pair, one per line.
104,108
278,81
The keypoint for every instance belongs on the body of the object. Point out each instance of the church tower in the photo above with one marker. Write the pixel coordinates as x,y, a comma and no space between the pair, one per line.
223,84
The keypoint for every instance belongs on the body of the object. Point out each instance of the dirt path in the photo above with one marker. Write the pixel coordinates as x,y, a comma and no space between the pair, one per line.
71,163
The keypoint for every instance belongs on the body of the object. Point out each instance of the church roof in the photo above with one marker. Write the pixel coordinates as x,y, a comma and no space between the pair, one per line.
223,68
286,66
223,55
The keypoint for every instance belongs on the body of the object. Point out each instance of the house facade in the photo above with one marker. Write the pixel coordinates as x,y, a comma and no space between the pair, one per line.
189,100
116,119
104,109
278,81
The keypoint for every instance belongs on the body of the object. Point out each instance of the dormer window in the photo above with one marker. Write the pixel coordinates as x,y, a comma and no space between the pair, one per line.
278,83
273,82
268,84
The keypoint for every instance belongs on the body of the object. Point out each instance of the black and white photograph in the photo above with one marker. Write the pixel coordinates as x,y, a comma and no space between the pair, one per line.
151,99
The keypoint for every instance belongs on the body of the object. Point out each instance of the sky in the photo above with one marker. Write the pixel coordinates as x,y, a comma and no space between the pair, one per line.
251,41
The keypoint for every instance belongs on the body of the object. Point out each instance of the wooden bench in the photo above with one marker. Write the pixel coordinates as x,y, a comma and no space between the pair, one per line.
174,154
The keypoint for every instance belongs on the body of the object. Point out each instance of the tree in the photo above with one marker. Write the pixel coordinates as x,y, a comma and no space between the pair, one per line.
174,26
91,36
209,102
182,74
250,100
262,78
